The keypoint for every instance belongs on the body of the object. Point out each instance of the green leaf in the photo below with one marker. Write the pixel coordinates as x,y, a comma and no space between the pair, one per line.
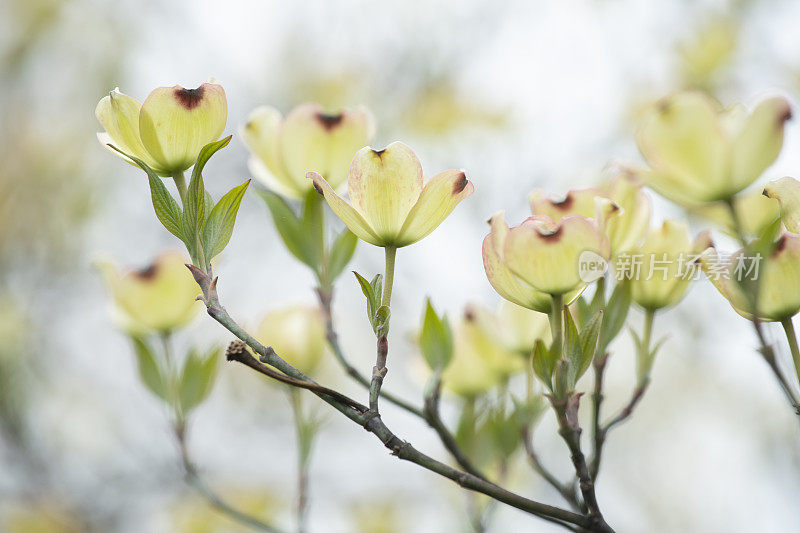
616,312
341,253
381,323
167,209
197,378
368,288
572,346
206,153
313,227
149,371
562,379
289,227
543,364
588,341
219,226
435,339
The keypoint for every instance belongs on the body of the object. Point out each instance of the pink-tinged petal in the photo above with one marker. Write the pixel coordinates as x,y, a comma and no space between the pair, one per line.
176,123
438,199
351,218
575,202
546,254
384,185
500,276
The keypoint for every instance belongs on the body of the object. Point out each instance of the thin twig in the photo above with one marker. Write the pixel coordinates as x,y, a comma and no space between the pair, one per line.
434,419
325,297
566,490
598,437
570,430
194,479
398,447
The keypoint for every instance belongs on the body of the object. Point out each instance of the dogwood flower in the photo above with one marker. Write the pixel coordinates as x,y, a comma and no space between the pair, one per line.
664,267
545,254
308,139
698,152
774,276
158,298
168,130
388,204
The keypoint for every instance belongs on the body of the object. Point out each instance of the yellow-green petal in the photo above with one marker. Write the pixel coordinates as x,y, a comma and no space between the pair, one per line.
175,123
297,334
546,254
346,212
118,113
438,199
261,135
575,202
313,140
758,143
384,185
500,276
683,142
787,191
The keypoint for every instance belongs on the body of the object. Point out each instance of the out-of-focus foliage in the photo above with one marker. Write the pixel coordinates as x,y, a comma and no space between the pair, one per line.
193,515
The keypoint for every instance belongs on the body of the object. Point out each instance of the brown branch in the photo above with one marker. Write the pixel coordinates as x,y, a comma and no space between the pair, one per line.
566,490
373,423
570,430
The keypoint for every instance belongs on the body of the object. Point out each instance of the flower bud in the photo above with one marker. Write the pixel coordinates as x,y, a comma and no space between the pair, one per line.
699,153
156,299
308,139
771,279
662,266
297,334
169,129
388,204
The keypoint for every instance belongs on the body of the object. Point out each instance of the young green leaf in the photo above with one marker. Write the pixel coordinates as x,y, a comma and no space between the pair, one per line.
341,253
563,381
616,311
373,297
435,339
167,209
289,227
219,226
206,153
543,364
197,378
588,341
572,345
149,371
381,322
313,226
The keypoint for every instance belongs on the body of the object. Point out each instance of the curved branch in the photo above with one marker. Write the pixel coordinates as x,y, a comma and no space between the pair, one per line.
374,424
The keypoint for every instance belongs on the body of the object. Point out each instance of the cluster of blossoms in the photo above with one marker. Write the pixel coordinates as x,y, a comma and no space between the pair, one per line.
697,154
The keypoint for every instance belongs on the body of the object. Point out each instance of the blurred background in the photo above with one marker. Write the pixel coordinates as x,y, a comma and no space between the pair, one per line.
522,95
